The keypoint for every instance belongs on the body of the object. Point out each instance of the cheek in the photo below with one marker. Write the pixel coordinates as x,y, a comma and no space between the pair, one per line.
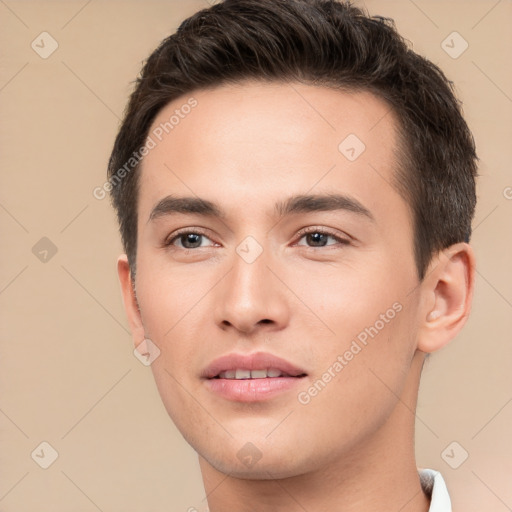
347,298
370,343
360,378
171,313
168,296
172,309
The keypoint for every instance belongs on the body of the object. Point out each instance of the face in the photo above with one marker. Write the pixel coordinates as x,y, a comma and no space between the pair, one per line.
275,273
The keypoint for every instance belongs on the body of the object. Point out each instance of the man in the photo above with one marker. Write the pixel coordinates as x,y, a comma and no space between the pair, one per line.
295,189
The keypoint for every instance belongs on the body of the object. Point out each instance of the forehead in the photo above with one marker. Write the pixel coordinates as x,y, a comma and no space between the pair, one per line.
253,141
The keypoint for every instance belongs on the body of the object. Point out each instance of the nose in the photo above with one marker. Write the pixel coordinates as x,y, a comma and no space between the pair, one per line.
251,297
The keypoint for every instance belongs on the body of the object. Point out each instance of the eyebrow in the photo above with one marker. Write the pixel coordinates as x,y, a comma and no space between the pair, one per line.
302,203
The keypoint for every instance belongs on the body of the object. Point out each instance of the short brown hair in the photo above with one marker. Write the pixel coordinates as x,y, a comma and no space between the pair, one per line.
324,43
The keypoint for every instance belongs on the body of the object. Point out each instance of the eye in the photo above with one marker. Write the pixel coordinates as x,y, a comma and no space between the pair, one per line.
188,239
320,237
194,239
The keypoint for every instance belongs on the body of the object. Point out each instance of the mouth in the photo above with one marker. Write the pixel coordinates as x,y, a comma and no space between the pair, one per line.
259,365
243,374
251,378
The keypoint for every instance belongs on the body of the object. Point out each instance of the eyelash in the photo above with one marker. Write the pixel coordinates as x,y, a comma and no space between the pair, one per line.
302,233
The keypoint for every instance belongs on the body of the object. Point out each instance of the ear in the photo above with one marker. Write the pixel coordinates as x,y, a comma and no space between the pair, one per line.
130,302
447,292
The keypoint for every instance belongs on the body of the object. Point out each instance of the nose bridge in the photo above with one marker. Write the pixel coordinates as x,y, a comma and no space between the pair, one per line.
251,293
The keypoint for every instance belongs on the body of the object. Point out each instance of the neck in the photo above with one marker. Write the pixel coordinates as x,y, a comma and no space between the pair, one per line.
378,474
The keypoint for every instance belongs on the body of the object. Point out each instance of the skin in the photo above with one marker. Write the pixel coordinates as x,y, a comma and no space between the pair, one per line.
246,147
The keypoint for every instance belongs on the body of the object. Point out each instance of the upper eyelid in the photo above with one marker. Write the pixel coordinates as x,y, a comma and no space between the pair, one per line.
325,231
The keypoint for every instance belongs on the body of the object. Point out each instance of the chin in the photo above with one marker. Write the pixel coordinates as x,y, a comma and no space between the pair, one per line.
248,463
269,470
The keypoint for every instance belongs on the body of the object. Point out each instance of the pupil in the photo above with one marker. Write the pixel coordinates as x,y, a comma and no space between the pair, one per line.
317,238
191,238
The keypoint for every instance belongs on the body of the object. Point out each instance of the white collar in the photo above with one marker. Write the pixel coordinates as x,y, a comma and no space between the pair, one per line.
433,485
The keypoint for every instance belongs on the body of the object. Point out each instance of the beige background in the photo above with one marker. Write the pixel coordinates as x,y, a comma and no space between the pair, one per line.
68,375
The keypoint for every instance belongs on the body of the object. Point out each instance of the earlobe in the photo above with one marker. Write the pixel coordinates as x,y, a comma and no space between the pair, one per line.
448,286
130,301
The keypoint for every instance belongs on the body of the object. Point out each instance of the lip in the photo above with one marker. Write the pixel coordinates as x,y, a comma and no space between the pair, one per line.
251,390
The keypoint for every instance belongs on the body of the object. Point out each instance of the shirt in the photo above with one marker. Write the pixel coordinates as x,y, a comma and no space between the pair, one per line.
433,485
